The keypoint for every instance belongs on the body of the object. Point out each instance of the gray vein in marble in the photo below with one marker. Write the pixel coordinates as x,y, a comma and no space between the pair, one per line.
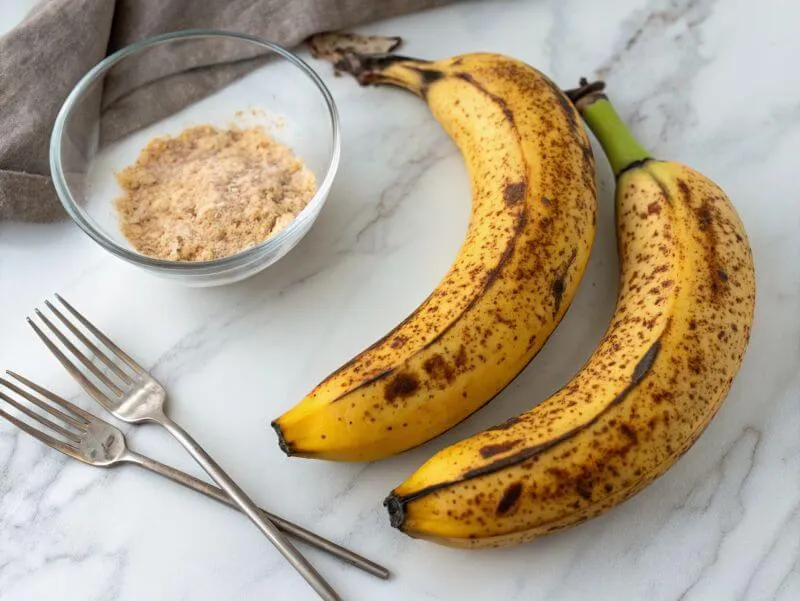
752,143
205,341
658,16
392,196
50,559
749,439
85,271
37,493
559,32
561,583
354,536
790,529
12,434
794,572
257,580
114,577
652,23
34,494
350,484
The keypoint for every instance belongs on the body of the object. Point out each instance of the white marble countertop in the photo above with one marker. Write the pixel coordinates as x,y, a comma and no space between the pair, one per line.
706,82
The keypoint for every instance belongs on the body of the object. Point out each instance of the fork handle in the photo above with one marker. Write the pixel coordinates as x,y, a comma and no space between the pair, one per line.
286,526
251,510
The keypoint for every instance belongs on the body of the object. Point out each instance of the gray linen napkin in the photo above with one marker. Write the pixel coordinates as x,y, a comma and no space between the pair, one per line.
45,56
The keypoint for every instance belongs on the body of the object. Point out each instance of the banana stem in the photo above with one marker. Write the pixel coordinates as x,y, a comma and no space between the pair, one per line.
620,146
389,69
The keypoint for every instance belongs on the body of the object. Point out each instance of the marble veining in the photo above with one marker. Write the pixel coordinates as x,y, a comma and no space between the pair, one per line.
705,82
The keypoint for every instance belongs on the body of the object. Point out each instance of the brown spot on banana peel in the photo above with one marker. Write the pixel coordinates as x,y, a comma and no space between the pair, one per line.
490,450
705,215
438,368
629,433
399,342
461,357
404,384
558,292
558,284
515,192
685,190
584,489
640,371
510,497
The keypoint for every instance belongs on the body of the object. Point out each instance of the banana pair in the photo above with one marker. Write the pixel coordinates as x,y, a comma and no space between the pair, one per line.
663,368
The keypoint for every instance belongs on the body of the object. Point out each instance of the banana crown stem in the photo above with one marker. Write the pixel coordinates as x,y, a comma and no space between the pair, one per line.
620,146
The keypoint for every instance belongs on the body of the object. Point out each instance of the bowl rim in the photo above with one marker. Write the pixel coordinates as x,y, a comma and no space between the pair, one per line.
80,217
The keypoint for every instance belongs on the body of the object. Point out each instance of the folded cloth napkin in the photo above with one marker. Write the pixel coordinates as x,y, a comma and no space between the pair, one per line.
43,58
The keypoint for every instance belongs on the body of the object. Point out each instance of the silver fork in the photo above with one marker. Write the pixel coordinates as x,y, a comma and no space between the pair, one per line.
94,441
134,396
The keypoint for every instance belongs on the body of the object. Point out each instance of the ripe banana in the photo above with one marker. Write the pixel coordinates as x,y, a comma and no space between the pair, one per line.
662,370
531,229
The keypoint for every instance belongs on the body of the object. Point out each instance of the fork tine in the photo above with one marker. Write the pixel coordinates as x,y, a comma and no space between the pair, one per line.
103,338
89,344
42,405
71,407
79,355
40,418
65,448
76,373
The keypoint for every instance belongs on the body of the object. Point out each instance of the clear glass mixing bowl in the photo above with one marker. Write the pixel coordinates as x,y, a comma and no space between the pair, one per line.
235,79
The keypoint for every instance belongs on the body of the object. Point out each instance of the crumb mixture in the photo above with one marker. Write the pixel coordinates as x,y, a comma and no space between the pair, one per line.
209,193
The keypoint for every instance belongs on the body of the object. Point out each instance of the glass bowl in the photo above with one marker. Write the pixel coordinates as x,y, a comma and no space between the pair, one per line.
159,87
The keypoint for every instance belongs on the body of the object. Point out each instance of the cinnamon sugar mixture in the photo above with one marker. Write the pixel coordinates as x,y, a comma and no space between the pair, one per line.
209,193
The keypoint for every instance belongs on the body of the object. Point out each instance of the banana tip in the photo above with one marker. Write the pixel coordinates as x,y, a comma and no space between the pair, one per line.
397,515
284,444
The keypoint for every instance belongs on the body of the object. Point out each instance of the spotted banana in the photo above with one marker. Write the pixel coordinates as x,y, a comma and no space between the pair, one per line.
661,372
531,229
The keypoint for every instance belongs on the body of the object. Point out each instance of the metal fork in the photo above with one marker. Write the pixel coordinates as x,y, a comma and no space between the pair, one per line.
94,441
134,396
